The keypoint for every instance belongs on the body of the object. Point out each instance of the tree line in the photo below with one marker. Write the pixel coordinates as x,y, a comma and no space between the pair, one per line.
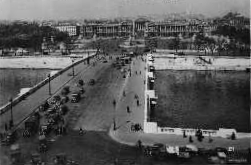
225,40
29,36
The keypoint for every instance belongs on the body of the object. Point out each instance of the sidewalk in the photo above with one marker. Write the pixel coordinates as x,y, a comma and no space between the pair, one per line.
124,120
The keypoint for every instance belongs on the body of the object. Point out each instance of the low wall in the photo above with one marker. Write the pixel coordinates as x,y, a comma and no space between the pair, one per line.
18,99
173,51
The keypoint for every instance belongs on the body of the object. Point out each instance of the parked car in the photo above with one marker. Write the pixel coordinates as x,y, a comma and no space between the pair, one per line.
91,82
75,97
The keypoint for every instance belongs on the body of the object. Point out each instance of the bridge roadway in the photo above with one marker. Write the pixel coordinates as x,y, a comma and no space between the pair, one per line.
33,101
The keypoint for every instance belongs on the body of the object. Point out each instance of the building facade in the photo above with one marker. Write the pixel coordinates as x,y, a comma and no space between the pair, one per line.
72,30
143,28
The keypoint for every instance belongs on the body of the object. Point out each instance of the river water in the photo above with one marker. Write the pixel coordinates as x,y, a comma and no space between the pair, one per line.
13,80
203,99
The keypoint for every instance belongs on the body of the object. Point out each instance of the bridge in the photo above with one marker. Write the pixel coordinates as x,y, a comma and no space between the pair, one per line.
23,106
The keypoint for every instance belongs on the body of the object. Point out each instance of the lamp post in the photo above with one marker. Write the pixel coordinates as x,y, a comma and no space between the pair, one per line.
114,120
11,114
72,67
49,77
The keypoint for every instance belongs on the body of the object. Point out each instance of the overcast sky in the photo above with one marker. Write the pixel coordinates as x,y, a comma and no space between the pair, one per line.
82,9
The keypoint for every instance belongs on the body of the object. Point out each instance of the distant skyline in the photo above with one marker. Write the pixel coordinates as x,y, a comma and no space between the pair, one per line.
91,9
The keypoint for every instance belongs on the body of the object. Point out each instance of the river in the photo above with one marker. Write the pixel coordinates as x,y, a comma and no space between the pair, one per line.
13,80
203,99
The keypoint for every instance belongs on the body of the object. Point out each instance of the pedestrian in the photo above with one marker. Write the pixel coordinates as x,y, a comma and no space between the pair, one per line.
114,103
190,139
132,127
59,130
136,72
141,129
233,136
81,132
136,96
128,109
184,134
137,102
140,144
139,72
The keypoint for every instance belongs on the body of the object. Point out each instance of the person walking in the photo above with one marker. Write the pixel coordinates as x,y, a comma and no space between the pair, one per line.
136,96
128,109
81,132
140,144
137,102
190,139
114,103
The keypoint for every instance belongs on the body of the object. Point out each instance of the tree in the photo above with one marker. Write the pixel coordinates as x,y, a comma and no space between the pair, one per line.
28,35
175,43
151,43
220,44
211,44
199,41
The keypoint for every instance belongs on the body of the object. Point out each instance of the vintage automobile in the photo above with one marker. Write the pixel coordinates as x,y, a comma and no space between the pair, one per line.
15,153
91,82
9,138
75,97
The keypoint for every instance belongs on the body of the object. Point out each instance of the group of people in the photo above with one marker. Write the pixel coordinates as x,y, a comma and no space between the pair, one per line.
81,131
136,127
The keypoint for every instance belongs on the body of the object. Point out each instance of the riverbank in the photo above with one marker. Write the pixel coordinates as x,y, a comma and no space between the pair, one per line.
190,62
37,62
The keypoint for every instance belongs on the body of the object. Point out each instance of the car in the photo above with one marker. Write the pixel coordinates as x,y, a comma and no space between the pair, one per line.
75,97
91,82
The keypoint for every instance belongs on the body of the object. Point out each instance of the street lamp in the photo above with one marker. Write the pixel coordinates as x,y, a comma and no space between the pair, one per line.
72,67
11,114
88,60
114,120
49,77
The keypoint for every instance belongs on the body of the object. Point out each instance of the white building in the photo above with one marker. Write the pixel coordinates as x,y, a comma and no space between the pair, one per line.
72,30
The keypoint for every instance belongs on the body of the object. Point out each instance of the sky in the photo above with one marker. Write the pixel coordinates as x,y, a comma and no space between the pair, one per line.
86,9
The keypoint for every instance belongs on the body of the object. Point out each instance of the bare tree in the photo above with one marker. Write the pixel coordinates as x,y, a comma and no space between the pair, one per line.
211,44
